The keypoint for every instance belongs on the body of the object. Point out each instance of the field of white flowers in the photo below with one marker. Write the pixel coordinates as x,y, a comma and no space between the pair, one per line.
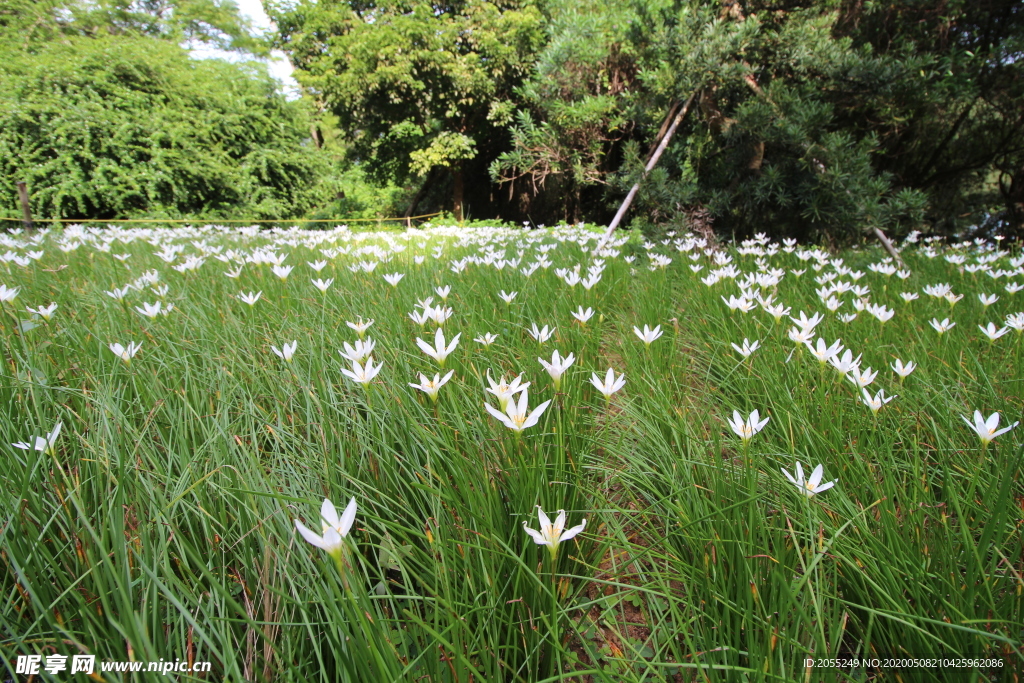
505,455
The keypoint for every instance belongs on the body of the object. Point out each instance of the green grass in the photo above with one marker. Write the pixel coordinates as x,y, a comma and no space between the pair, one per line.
162,524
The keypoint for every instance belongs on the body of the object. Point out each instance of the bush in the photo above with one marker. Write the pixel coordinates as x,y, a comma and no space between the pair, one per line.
123,126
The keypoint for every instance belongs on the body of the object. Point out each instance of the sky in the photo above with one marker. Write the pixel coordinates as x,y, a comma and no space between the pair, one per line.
278,64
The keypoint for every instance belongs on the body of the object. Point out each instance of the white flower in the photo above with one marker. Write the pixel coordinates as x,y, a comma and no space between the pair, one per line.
317,265
116,294
812,485
805,323
126,354
823,352
881,312
987,299
439,314
507,297
610,385
443,292
877,401
739,304
322,285
394,278
557,367
439,351
486,340
250,298
583,315
847,317
421,318
861,378
363,374
432,386
541,335
987,429
286,351
747,348
360,327
746,429
800,335
909,296
938,291
334,528
515,416
992,333
903,370
149,310
360,352
503,390
550,534
234,274
777,311
8,294
647,336
41,443
846,363
943,326
282,271
45,312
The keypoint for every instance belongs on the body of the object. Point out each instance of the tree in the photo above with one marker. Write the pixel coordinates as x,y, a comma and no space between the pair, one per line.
416,85
812,117
123,125
566,139
952,128
31,24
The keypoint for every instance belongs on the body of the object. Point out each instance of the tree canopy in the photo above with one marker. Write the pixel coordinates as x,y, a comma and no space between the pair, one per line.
808,118
416,85
116,124
811,117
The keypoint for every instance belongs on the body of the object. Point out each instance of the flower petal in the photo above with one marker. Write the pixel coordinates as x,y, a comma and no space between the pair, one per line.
543,518
815,476
569,533
310,536
538,537
329,513
348,517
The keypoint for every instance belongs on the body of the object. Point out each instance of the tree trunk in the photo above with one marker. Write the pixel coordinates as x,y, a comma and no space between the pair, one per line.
647,169
26,213
457,190
888,246
418,197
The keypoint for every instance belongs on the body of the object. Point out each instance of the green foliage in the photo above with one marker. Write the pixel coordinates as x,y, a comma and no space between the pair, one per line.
163,522
814,118
31,24
412,83
446,149
357,197
576,103
123,126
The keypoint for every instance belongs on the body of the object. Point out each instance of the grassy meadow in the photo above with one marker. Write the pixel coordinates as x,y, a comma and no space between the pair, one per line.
161,520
